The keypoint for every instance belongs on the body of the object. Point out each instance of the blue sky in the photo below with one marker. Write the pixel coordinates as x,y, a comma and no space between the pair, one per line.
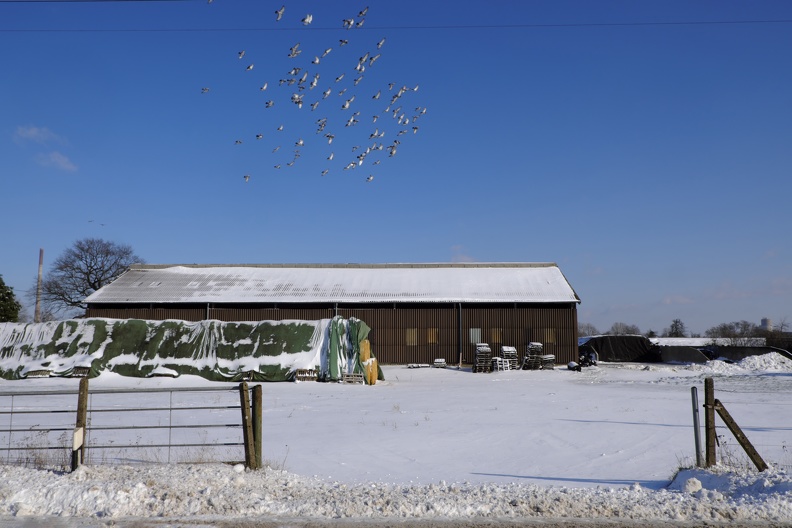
643,146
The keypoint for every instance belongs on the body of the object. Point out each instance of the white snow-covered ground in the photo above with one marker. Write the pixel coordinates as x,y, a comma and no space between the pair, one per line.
447,447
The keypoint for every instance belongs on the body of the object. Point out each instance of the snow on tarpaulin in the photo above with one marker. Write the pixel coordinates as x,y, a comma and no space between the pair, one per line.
215,350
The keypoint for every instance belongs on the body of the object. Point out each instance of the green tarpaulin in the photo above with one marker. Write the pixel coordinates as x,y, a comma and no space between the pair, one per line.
215,350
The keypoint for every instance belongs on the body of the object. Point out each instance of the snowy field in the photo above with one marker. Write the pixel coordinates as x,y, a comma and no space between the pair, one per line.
443,447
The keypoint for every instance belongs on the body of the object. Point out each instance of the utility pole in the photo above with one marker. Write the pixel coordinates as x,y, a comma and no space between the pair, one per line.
37,313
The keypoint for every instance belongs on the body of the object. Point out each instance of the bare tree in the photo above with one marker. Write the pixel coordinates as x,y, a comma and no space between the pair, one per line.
587,329
739,333
677,329
623,329
82,269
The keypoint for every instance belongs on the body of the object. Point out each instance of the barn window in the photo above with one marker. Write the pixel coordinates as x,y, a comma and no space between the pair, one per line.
475,335
432,336
411,336
497,335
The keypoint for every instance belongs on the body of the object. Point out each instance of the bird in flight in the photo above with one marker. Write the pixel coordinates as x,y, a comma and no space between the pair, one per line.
369,178
308,19
280,12
247,177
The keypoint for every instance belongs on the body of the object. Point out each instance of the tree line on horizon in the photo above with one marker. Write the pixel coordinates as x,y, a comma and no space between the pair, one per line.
739,333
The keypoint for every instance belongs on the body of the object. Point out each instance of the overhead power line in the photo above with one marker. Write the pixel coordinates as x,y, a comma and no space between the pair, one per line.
377,28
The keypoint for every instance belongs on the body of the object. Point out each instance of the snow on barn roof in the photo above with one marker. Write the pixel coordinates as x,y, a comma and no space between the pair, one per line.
338,283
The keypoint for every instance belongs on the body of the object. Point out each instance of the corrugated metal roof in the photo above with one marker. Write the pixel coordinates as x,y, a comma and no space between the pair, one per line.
338,283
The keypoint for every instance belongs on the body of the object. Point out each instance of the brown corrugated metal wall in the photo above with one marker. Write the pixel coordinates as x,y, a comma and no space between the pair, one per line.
401,334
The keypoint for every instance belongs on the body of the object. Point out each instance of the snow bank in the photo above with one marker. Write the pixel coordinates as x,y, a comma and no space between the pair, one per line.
224,490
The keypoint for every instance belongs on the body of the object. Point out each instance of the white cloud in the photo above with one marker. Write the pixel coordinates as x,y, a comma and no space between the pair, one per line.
36,134
57,160
677,299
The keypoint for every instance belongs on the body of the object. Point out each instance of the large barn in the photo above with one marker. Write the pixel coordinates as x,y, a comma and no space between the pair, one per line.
417,312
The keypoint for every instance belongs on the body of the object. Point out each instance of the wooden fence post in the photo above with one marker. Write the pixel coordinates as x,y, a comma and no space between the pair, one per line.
78,445
247,426
740,436
257,425
709,422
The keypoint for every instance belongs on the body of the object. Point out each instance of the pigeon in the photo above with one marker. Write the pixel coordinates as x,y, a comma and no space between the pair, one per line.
241,54
350,166
330,157
314,105
259,136
377,95
347,103
376,162
339,77
330,138
369,178
307,20
280,127
326,93
269,104
357,80
279,12
263,87
381,43
299,143
294,71
238,142
247,177
348,23
315,60
360,23
415,130
363,12
373,59
278,166
343,42
374,118
204,90
276,149
294,51
249,68
326,52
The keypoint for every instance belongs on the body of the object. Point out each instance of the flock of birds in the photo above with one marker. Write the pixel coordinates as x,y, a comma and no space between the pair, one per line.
337,102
